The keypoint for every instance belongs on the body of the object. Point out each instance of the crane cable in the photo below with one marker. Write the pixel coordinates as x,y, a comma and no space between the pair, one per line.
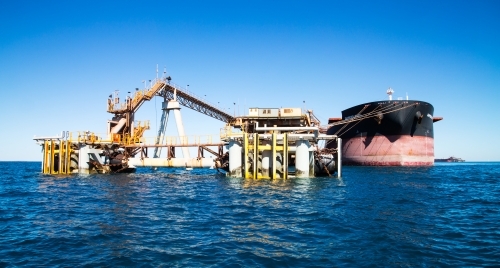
369,115
364,108
366,116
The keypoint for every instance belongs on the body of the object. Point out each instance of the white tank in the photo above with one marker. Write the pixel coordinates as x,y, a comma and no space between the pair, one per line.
266,160
302,159
235,158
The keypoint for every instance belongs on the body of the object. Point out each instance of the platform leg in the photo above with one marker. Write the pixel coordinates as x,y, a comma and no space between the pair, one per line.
246,173
52,157
285,156
255,154
273,160
339,158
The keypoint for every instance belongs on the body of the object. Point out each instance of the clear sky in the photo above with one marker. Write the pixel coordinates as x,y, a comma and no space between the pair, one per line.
59,61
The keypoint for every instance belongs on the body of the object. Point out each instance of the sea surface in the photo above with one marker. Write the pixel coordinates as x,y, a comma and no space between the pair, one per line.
447,215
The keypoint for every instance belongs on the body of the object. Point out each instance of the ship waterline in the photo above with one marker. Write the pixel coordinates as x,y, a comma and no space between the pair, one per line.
380,151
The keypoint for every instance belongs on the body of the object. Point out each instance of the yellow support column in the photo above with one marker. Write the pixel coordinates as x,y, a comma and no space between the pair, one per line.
46,162
285,156
255,154
51,157
246,175
68,157
273,161
61,157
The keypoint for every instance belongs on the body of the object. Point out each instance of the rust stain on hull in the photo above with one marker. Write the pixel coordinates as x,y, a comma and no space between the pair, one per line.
405,150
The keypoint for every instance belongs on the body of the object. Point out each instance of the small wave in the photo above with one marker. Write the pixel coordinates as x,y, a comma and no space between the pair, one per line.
373,216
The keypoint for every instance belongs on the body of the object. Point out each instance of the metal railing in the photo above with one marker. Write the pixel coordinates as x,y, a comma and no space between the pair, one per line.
142,124
91,137
191,140
228,132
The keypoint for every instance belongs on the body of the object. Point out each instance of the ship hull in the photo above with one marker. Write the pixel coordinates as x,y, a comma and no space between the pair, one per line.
391,133
403,151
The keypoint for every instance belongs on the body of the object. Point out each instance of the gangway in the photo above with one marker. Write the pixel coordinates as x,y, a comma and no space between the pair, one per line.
191,101
163,87
133,104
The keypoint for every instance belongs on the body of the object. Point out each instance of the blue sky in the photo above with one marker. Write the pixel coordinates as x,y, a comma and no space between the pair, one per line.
59,60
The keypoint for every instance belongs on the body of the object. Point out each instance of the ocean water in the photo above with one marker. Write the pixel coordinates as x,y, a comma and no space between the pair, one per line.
442,216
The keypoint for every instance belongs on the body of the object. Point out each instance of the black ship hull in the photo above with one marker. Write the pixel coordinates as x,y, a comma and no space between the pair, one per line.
387,133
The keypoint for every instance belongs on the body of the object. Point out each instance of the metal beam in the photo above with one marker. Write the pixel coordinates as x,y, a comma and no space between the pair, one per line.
188,100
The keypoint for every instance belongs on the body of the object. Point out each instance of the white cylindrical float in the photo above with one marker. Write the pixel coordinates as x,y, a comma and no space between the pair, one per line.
266,160
83,158
235,151
302,161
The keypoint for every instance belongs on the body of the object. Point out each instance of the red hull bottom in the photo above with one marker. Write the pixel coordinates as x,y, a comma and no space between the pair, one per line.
380,151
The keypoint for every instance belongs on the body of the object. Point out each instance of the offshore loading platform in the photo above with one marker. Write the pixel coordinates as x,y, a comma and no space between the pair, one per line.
268,143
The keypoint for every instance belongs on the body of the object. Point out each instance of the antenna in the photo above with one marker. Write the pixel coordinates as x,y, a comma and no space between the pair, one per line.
157,71
164,72
389,92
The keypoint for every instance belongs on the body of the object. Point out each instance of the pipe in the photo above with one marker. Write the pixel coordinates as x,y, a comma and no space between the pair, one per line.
301,135
302,159
257,128
58,137
327,137
118,126
47,138
318,137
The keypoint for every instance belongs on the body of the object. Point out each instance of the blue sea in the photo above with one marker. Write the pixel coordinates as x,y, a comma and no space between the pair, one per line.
447,215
